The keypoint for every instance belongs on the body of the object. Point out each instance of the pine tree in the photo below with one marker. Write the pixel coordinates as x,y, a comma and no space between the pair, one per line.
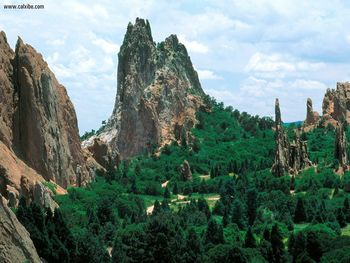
250,241
346,209
175,189
167,193
341,218
251,205
118,254
277,245
156,208
193,246
300,214
292,183
225,218
238,214
214,233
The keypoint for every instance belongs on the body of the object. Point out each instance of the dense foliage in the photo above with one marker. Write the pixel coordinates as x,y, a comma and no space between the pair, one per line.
233,209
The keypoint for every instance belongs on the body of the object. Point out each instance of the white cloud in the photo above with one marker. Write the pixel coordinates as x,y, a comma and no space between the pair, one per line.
207,74
193,46
107,46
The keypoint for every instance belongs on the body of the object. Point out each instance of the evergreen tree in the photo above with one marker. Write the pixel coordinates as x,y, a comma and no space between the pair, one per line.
251,205
175,189
194,248
166,193
250,241
214,233
277,245
292,183
118,254
225,218
238,214
204,207
341,218
156,208
300,214
346,209
236,255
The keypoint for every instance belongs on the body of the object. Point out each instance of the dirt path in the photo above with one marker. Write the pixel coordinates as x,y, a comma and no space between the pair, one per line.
150,209
165,184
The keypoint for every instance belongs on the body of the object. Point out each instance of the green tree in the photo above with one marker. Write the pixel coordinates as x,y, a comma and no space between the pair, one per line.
214,233
300,214
238,214
249,241
252,205
277,245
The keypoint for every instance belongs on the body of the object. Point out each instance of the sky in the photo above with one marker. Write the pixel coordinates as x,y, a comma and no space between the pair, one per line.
247,53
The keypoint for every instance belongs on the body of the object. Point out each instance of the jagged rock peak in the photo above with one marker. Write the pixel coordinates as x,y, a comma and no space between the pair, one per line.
278,119
340,152
157,90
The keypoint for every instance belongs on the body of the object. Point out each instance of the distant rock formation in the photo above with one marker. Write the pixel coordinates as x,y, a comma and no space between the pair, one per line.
312,117
336,104
103,154
340,152
158,93
15,242
290,157
39,136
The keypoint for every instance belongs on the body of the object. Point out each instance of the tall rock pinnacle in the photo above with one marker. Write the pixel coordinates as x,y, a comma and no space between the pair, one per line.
340,152
281,165
158,92
312,117
289,157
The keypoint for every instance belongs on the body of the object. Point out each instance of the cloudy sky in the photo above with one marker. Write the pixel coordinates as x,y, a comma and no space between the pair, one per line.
246,52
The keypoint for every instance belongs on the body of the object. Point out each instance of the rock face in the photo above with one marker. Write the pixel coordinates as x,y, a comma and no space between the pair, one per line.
290,157
39,136
185,171
15,242
336,104
158,91
312,117
103,154
340,152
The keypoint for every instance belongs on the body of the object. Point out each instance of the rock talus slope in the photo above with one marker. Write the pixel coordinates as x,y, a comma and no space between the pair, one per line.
158,93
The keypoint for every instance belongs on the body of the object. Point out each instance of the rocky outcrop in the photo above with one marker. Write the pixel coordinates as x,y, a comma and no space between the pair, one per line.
185,171
281,165
39,137
289,157
312,117
158,91
44,197
340,152
336,104
15,242
103,154
299,158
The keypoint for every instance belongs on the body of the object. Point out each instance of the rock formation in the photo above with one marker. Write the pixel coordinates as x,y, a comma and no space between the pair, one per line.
158,91
185,171
103,154
340,152
15,242
290,157
336,104
312,117
281,165
39,136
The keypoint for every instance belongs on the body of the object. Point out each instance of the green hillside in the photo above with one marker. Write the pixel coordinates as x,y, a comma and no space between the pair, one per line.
232,210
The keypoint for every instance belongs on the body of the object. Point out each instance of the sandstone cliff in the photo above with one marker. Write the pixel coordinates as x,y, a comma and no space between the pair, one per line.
39,137
336,104
15,242
290,157
158,92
